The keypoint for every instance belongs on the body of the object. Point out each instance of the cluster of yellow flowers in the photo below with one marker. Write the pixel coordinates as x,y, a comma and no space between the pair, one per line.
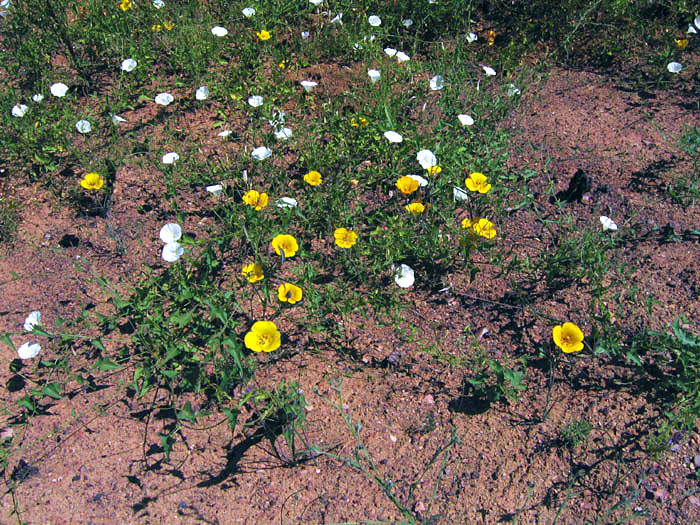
158,28
256,199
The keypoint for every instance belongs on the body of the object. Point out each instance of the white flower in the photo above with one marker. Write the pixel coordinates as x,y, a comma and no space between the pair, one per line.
374,21
172,252
170,158
407,22
171,232
128,65
255,100
261,153
308,85
471,37
489,71
158,4
426,159
117,119
459,194
404,276
29,350
316,2
5,4
283,134
422,182
465,120
697,22
512,90
374,75
202,93
392,136
402,57
304,35
608,223
164,99
674,67
216,190
224,133
19,110
390,51
432,1
437,83
38,97
248,12
83,126
286,202
32,320
219,31
337,19
691,29
59,89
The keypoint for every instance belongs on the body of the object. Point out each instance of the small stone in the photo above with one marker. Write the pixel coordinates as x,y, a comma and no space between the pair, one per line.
428,399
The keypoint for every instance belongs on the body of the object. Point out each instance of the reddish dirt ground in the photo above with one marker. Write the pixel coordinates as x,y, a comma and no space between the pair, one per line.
91,458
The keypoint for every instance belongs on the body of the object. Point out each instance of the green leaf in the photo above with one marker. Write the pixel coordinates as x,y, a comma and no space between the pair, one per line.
52,390
7,339
232,416
38,331
186,413
106,364
98,344
27,402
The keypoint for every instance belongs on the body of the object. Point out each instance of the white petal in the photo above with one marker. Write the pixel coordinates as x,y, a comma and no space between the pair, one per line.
286,202
248,12
29,350
255,101
316,2
422,182
374,75
407,22
404,276
170,158
128,65
261,153
337,19
437,83
38,97
308,85
216,190
426,159
402,57
117,119
304,35
459,194
674,67
512,90
608,223
697,22
158,4
374,21
283,134
83,126
390,51
172,252
32,320
471,37
224,133
392,136
202,93
164,99
691,29
171,232
465,120
219,31
489,71
19,110
59,89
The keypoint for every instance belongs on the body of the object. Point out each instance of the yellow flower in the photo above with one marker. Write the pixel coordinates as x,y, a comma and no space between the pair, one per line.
156,28
407,185
92,181
253,272
256,200
491,36
263,35
568,337
282,65
168,26
126,5
288,293
285,243
360,122
477,182
313,178
682,43
434,170
344,238
415,208
483,227
263,337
